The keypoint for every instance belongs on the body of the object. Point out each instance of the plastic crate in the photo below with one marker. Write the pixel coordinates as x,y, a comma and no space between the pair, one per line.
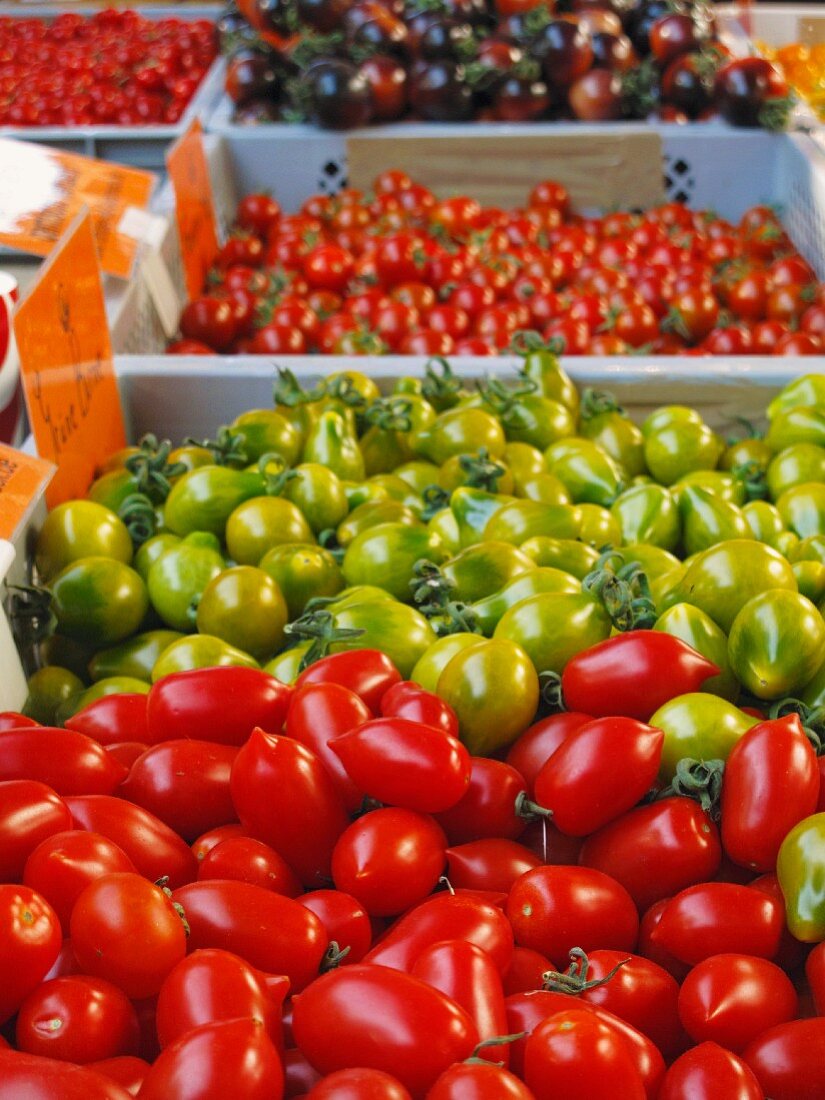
707,166
775,24
139,146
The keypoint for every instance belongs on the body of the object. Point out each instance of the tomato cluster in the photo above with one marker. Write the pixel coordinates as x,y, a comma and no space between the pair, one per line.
803,66
235,885
404,272
113,67
345,63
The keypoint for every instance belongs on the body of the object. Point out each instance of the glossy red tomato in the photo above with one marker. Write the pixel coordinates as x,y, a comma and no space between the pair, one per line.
39,1078
359,1084
77,1019
731,999
126,930
68,762
655,851
270,932
408,700
156,851
489,864
554,909
258,213
526,971
383,1020
210,839
789,1059
537,744
345,920
209,320
602,769
218,1060
389,859
29,813
367,672
717,917
709,1072
63,865
491,807
30,942
308,817
405,763
211,985
318,713
127,1071
467,1081
250,860
112,718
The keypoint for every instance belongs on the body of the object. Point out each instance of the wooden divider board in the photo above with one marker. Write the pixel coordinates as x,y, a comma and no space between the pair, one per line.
812,30
604,171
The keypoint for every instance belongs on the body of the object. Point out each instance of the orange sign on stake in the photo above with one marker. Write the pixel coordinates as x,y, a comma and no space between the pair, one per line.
42,190
66,363
21,479
194,205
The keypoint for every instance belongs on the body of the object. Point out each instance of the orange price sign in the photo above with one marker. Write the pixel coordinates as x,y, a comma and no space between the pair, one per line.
22,477
66,363
195,207
42,190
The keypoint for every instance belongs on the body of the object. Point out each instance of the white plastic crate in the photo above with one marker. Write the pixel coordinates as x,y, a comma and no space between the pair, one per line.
707,166
139,146
774,24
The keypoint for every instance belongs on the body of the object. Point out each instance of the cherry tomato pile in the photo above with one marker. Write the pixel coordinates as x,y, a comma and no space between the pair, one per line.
346,63
406,273
803,67
526,800
113,67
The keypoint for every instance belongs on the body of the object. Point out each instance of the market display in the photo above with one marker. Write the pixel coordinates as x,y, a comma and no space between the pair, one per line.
113,67
803,67
404,271
343,65
442,743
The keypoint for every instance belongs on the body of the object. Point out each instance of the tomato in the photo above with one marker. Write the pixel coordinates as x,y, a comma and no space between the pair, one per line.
127,1071
155,850
185,784
64,864
212,985
731,999
367,672
113,718
209,320
320,712
258,213
491,806
787,1059
270,932
359,1084
389,859
29,944
409,700
489,864
537,744
602,769
250,860
469,1081
709,1072
126,930
30,812
577,1053
715,917
77,1019
654,851
384,1020
68,762
346,921
48,1079
771,783
308,817
553,909
213,704
216,1059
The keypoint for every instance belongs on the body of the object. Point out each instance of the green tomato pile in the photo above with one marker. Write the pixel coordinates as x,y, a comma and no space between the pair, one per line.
480,538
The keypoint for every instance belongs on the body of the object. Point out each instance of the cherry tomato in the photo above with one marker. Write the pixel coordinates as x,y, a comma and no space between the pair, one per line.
77,1019
250,860
489,864
408,700
345,920
367,672
538,743
30,942
717,917
29,813
708,1072
320,712
491,806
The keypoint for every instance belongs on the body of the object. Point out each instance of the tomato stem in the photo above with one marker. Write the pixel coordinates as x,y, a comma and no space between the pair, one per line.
496,1041
700,780
574,980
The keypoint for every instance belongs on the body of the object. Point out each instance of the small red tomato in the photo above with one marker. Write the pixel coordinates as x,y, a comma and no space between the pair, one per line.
408,700
367,672
29,813
77,1019
492,806
30,943
359,1084
538,743
249,860
717,917
709,1072
789,1059
489,864
346,921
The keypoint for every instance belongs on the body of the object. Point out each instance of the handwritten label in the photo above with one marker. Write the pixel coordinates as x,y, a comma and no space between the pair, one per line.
22,478
42,190
66,363
194,207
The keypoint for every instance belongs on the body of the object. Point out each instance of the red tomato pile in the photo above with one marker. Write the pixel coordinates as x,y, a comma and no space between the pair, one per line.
111,67
402,272
232,887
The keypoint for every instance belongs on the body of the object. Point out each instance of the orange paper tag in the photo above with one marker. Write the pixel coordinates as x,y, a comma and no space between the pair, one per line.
21,479
42,190
66,364
195,207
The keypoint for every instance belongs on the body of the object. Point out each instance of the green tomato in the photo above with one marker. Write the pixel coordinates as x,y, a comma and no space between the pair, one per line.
655,561
794,466
48,689
810,549
599,527
436,657
648,513
302,572
110,490
520,520
543,368
808,389
670,416
716,482
458,471
359,593
494,690
395,628
525,463
473,509
721,580
382,450
698,726
418,475
445,527
153,549
265,432
286,667
776,643
803,424
555,626
677,449
745,451
800,868
98,600
363,492
588,473
80,529
483,569
708,520
191,456
178,578
699,631
803,509
320,495
400,491
619,437
546,489
386,555
810,578
199,651
544,579
111,685
374,513
459,431
136,657
539,421
244,607
330,443
261,523
569,555
205,498
764,521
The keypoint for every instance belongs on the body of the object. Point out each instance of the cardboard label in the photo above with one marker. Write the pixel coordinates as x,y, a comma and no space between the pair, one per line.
66,364
194,207
812,30
42,190
21,479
